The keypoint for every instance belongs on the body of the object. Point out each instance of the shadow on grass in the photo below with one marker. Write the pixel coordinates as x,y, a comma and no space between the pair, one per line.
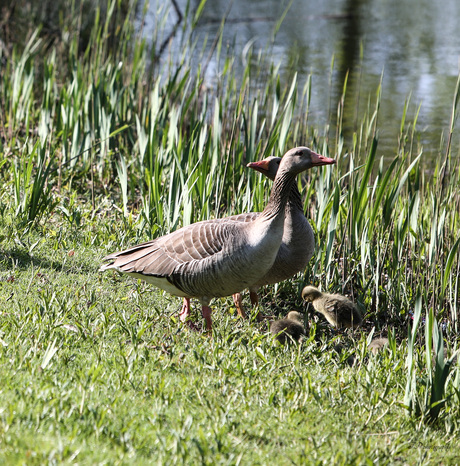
21,259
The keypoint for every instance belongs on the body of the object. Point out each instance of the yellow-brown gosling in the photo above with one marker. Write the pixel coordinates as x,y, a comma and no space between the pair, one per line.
291,327
377,344
339,311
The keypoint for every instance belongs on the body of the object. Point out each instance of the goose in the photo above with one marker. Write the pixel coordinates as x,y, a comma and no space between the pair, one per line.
298,243
339,311
291,327
210,259
378,344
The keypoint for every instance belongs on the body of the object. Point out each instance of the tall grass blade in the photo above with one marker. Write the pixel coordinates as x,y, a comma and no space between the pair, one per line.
448,266
51,350
123,178
441,370
410,397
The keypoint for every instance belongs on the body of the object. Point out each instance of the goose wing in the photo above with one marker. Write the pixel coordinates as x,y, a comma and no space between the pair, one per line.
163,256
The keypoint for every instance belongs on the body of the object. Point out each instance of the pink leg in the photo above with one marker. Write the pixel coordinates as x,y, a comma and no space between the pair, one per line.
185,315
185,312
239,305
206,312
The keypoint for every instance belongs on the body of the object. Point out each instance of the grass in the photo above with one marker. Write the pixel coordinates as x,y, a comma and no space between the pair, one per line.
101,371
102,147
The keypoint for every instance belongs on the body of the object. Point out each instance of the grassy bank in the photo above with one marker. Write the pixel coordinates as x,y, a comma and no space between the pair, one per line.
104,144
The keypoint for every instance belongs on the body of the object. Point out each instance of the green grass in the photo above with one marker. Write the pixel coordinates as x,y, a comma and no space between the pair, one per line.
96,368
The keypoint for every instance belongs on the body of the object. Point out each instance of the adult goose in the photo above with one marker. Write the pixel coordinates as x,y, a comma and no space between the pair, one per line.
338,310
298,243
212,259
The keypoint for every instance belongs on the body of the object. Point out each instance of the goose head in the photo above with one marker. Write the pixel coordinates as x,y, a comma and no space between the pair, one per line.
295,316
268,167
301,158
310,293
304,157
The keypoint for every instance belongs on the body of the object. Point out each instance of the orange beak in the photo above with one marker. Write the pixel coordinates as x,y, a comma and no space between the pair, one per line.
318,160
260,166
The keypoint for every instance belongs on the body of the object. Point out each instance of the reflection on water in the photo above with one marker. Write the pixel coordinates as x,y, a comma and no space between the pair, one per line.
415,43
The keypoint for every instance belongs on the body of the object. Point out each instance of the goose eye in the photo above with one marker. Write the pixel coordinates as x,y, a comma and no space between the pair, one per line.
299,152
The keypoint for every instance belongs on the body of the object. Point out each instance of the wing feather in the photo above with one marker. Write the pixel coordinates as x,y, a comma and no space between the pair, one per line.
163,256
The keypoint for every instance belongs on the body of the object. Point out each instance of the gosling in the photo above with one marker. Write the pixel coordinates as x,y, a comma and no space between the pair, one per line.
339,311
289,328
377,344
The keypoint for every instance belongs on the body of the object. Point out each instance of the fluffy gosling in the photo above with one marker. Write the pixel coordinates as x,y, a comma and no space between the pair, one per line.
377,344
339,311
291,327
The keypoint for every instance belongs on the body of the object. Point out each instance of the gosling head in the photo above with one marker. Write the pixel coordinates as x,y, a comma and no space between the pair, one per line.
310,293
295,316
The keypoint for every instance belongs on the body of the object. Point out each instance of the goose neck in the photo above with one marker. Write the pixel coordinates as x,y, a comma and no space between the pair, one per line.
279,195
295,199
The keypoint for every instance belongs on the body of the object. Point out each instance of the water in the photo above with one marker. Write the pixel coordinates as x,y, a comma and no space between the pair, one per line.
414,43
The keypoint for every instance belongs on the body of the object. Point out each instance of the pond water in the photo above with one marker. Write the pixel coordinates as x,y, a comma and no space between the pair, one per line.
414,43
